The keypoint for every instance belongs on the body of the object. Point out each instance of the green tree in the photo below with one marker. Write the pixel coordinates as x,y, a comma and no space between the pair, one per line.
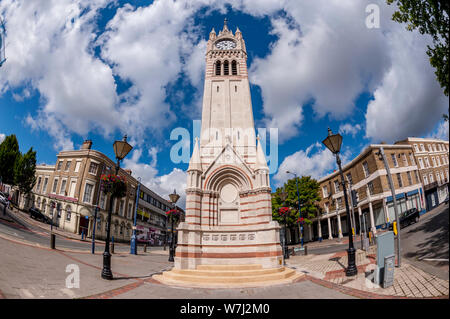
309,198
429,17
25,172
9,153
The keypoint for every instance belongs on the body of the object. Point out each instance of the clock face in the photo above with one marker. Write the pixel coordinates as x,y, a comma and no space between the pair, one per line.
225,45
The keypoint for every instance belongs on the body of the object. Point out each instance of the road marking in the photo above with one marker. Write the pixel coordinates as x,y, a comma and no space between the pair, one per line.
434,259
27,293
68,292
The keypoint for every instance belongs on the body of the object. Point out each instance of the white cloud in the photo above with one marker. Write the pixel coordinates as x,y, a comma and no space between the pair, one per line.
50,50
163,185
409,101
2,137
441,132
349,129
324,54
306,163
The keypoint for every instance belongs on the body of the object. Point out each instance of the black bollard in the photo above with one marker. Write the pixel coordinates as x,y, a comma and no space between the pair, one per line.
52,241
306,250
145,248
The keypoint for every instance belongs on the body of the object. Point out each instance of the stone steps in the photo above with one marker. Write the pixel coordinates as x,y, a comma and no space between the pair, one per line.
228,276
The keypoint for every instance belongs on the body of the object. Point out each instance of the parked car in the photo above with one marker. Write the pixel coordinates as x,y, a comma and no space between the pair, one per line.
4,199
38,215
408,217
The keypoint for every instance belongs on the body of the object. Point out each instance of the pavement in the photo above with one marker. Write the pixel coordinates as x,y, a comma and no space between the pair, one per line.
28,271
409,281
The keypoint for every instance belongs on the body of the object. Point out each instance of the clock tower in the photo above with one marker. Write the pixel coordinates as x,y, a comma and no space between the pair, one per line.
228,195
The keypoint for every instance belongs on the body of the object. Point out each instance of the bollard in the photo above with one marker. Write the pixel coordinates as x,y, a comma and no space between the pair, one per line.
52,241
306,250
145,248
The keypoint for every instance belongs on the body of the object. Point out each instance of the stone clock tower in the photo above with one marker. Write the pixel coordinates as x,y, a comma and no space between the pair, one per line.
228,204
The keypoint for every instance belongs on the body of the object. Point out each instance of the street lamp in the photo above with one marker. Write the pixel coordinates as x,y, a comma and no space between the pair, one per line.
299,211
173,199
133,248
121,149
283,196
333,142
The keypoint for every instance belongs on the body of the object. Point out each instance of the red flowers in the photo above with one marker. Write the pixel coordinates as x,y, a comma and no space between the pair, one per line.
114,184
172,211
301,220
283,210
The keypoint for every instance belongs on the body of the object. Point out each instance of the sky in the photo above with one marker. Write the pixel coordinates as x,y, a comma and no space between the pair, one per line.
99,69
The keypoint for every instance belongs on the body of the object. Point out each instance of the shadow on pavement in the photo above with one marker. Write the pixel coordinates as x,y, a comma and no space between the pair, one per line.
436,246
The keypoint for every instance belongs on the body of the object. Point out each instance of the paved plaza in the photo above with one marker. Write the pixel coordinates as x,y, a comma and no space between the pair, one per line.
29,271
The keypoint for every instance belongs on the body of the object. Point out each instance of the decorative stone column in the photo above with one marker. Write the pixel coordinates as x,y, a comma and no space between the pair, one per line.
372,220
330,236
319,229
339,226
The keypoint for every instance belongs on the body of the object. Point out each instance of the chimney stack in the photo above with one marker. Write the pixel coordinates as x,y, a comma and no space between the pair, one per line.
87,144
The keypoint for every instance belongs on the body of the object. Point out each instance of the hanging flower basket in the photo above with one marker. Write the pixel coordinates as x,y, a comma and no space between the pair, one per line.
114,185
301,220
283,210
172,211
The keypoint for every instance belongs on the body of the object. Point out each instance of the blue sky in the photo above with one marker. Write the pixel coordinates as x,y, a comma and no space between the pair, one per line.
99,69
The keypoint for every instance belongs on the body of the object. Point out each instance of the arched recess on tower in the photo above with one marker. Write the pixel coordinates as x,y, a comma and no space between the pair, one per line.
228,175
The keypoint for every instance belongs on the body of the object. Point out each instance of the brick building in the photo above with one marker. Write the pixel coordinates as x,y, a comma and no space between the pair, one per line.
70,191
367,175
432,158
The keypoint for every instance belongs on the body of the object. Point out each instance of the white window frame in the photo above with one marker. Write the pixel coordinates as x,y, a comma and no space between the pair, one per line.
72,180
45,185
431,178
336,186
96,168
427,162
84,192
325,191
430,149
421,164
433,160
416,148
412,160
434,148
366,169
55,187
61,190
405,160
394,159
77,166
425,179
59,165
400,180
422,148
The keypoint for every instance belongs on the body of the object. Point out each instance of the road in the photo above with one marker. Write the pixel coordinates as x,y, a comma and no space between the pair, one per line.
425,244
28,232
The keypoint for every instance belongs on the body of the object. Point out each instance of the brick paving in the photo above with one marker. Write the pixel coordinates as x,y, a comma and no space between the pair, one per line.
409,281
29,271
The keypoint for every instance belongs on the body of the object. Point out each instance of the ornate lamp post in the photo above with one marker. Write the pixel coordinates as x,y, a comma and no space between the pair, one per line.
173,199
121,149
283,196
333,142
